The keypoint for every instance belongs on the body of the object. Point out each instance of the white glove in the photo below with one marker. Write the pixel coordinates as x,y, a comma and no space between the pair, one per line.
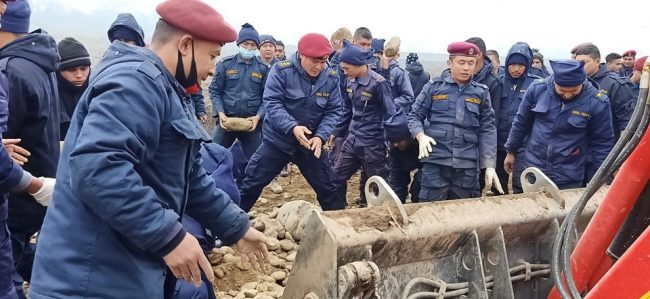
44,194
426,144
492,178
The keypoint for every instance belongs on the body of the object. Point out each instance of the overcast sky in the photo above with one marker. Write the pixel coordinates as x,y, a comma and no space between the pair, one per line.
553,26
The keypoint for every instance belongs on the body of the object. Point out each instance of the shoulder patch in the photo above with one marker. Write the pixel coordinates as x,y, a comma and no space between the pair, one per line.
149,70
284,64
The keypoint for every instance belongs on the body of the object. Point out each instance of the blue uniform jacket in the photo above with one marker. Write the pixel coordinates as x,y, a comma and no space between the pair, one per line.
619,94
129,168
418,77
400,87
11,174
237,87
34,102
562,134
485,77
461,120
369,114
513,92
293,98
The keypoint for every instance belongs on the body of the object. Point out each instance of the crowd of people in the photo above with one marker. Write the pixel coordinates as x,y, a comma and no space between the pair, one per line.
143,192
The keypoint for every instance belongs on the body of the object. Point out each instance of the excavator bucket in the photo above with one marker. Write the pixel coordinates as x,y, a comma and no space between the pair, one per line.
489,247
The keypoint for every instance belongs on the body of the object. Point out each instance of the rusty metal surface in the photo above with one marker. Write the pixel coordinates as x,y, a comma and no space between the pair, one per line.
430,245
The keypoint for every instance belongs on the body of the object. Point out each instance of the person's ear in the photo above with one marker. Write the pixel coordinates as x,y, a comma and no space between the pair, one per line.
185,45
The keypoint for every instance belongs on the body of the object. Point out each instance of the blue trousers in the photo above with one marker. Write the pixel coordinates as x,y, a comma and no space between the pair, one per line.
7,290
371,159
267,162
402,163
250,141
441,182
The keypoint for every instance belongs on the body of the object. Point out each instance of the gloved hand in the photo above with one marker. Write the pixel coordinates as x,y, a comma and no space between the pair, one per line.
426,144
44,194
492,178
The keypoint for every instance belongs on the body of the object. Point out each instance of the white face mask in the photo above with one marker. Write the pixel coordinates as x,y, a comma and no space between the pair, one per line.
248,54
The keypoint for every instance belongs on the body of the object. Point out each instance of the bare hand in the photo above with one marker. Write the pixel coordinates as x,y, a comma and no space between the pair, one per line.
255,119
329,145
17,153
222,119
316,146
300,133
252,247
187,260
203,118
509,163
384,61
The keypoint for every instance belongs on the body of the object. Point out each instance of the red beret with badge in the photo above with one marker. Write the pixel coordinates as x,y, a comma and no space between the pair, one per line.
463,49
314,45
197,19
629,53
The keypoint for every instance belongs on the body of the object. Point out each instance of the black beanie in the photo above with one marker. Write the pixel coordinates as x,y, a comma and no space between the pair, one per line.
73,54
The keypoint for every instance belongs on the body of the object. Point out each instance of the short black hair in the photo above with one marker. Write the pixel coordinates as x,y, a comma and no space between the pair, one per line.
612,56
477,41
164,32
279,43
590,50
362,32
492,52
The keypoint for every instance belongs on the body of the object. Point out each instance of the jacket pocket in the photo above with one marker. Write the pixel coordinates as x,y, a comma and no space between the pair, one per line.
188,130
471,118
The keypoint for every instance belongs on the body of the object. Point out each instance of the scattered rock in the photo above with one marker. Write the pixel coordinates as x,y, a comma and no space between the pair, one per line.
215,258
263,200
274,213
293,216
229,258
282,255
250,286
284,282
265,278
288,236
291,257
220,274
248,293
233,293
252,214
287,245
274,245
286,195
263,296
279,275
244,266
258,225
288,267
227,250
276,261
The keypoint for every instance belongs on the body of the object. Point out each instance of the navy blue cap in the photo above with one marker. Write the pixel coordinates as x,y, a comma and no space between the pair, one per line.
353,54
568,73
267,38
16,17
378,45
517,58
248,32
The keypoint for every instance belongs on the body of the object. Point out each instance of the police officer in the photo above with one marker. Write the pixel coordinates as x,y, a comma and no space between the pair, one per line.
303,103
629,57
368,113
131,169
620,96
515,83
635,79
236,91
561,122
461,127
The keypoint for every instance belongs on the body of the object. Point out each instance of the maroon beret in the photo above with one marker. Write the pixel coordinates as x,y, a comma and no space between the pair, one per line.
198,19
638,64
629,52
314,45
463,49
